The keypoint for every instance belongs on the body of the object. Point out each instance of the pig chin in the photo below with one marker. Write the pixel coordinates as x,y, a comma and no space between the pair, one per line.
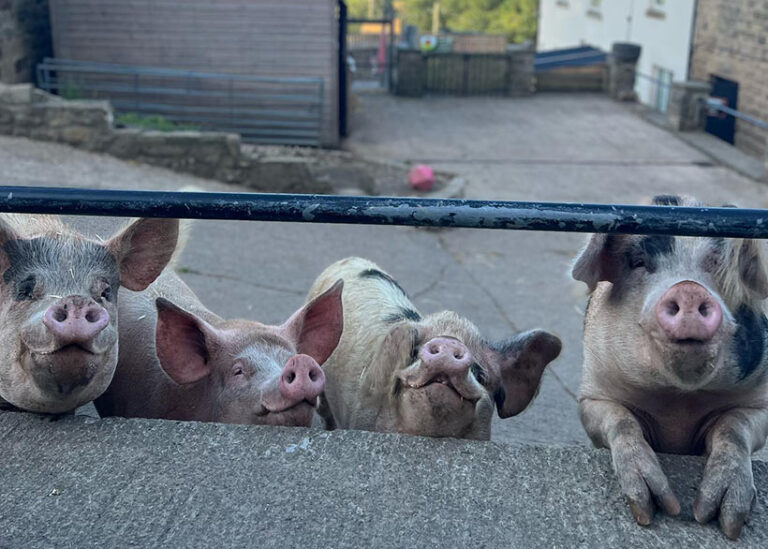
686,365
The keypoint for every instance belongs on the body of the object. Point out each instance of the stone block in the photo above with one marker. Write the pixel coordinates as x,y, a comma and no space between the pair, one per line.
77,136
284,176
685,110
15,94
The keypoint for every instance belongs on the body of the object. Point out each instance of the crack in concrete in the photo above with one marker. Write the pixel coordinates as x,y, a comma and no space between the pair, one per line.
431,286
187,270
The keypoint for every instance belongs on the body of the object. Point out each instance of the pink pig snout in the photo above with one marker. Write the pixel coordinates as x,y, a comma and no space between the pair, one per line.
75,319
301,379
445,355
687,311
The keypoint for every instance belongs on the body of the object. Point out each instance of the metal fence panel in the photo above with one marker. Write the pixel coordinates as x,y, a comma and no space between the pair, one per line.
260,109
467,74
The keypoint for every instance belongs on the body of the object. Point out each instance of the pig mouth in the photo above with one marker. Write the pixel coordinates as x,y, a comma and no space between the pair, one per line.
67,349
274,411
440,382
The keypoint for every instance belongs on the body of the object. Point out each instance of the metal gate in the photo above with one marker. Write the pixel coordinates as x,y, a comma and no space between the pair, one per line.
369,45
262,110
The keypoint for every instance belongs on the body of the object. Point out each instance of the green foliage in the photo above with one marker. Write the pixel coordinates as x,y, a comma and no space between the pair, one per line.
153,122
516,19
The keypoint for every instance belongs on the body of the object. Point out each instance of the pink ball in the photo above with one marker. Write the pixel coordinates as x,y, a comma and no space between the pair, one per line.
421,177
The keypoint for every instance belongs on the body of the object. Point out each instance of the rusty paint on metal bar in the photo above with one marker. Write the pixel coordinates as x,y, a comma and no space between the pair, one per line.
417,212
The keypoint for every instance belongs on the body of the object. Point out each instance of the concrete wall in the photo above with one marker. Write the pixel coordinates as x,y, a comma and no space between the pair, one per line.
730,42
29,112
24,38
664,33
254,37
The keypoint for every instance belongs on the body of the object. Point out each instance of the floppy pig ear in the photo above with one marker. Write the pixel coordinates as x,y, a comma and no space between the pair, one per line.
521,363
599,260
316,328
143,249
181,343
753,266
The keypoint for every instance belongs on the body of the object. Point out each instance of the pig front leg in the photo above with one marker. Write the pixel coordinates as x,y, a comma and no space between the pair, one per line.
728,485
611,425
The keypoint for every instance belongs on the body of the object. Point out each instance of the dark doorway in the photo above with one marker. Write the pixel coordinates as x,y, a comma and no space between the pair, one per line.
720,124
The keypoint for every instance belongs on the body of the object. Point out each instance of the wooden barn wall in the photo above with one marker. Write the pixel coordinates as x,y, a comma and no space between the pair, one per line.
254,37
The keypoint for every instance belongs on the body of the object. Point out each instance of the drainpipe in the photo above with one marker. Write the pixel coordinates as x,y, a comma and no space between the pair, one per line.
693,37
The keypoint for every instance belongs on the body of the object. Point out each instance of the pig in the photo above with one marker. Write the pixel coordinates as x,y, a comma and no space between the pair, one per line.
180,361
675,362
396,371
58,306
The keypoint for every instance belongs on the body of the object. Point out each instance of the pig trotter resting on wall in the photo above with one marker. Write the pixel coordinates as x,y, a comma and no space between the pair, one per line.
58,305
397,371
675,361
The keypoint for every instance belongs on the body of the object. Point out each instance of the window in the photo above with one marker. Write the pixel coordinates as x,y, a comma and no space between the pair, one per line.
660,85
657,9
595,9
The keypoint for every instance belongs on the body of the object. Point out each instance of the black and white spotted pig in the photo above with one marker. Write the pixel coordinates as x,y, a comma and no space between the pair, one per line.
58,305
675,361
395,370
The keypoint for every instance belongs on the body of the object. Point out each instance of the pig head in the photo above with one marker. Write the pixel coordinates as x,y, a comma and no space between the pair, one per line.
232,371
397,371
675,361
58,306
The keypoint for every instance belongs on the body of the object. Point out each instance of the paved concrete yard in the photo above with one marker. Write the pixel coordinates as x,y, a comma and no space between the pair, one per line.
551,147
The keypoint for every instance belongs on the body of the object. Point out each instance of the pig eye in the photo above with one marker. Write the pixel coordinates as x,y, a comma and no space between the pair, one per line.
107,293
636,261
238,371
26,288
480,375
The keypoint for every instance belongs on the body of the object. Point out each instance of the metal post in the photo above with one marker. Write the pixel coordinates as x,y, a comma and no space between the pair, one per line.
342,62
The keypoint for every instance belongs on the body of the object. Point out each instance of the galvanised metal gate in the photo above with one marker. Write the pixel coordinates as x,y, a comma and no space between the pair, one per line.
420,212
262,110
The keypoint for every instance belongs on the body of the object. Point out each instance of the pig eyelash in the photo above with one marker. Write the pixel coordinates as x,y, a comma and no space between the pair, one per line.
479,372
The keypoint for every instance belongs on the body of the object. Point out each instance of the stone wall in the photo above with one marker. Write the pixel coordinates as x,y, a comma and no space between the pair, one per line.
29,112
730,42
25,38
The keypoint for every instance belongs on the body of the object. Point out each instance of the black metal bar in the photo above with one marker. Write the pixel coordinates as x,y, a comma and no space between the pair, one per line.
420,212
716,105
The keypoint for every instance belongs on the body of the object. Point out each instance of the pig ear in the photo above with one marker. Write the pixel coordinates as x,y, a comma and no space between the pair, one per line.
143,249
181,342
6,235
599,260
521,363
753,266
315,329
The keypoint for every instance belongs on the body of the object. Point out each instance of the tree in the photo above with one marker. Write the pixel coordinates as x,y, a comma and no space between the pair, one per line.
516,19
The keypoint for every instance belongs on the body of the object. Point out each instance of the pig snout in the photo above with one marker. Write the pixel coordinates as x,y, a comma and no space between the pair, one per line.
688,311
301,379
447,356
75,319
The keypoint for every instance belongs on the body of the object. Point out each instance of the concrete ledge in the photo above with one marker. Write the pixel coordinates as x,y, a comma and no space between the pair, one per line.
79,482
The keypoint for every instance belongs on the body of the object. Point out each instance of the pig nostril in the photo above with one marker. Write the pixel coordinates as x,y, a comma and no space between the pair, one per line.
92,316
458,355
704,309
60,315
673,308
290,377
312,376
434,349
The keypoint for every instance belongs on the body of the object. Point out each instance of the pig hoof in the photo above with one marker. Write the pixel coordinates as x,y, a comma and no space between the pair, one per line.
727,487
